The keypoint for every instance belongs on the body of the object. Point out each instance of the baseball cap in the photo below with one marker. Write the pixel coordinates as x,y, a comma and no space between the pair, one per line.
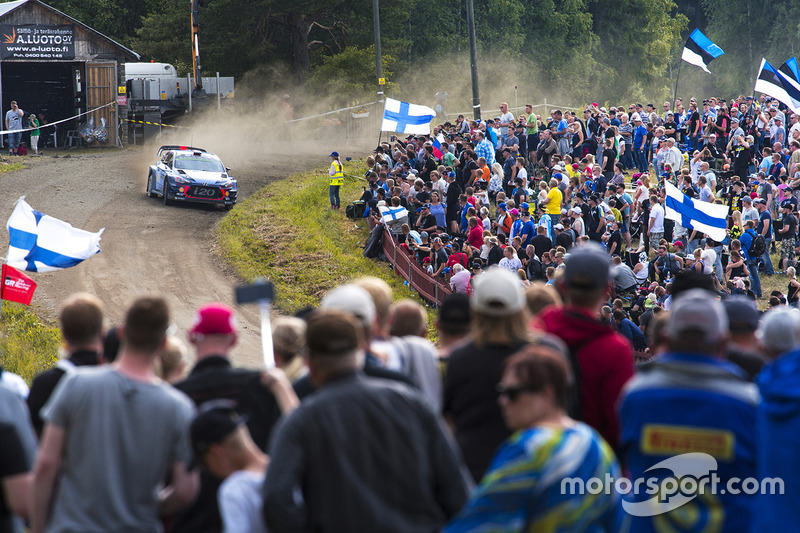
635,117
650,301
747,200
214,319
698,310
514,212
352,299
525,206
742,314
455,309
334,154
779,330
734,119
588,267
497,292
581,195
216,421
558,227
502,205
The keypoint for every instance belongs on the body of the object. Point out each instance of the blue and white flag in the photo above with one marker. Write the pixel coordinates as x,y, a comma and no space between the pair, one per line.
392,214
402,117
705,217
776,84
41,243
700,51
791,71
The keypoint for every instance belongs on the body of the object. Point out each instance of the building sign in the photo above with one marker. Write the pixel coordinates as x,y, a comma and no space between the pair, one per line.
37,41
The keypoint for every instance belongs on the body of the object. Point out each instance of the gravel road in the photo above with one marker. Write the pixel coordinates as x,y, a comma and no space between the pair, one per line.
147,248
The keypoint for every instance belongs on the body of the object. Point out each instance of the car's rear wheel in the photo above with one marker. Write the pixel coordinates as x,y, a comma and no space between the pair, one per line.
150,192
164,191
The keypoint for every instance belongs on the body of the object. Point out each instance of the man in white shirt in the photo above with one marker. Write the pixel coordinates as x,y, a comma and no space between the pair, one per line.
748,211
510,261
673,157
655,228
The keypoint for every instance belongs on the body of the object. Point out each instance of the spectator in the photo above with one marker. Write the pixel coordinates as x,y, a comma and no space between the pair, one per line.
601,358
743,348
778,418
288,345
81,323
349,439
662,410
407,317
498,327
213,335
510,260
171,362
546,448
223,445
459,281
143,425
452,323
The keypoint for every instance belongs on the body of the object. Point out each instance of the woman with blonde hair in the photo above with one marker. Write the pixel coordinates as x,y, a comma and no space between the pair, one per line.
288,342
793,288
736,225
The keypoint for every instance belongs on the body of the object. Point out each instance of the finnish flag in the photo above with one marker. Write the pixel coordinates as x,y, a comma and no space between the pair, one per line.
402,117
705,217
700,51
392,214
41,243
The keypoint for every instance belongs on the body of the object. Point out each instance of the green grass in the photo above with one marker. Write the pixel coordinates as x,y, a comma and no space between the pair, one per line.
287,233
28,346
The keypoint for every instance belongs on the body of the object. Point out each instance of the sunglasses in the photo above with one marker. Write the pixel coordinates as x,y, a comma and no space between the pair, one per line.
512,393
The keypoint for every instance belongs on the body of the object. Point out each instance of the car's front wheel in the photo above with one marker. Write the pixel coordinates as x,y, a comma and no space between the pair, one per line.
164,191
150,186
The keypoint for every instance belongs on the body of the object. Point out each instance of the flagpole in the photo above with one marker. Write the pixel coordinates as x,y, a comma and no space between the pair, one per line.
678,77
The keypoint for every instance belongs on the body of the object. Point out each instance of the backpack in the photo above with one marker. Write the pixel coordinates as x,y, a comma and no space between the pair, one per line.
350,211
757,247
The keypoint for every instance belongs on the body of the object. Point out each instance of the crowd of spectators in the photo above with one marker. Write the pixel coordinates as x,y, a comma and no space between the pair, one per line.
586,339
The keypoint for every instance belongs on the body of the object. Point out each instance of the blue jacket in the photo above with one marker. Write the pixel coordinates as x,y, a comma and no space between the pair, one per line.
747,240
778,430
633,334
692,403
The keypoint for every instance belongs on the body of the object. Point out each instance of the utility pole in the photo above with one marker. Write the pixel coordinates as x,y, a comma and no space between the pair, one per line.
473,61
376,20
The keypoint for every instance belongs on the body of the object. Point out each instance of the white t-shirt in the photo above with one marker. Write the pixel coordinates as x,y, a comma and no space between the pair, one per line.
709,258
512,265
240,503
657,216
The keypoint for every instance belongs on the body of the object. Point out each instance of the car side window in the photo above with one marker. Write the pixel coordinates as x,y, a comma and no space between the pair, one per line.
167,160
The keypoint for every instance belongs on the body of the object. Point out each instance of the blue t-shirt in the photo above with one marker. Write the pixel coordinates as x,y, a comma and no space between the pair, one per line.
528,232
639,133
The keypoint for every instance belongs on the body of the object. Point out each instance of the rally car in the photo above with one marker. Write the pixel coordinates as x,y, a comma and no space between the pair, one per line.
188,174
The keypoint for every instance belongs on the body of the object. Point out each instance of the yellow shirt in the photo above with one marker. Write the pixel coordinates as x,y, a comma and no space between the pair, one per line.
554,199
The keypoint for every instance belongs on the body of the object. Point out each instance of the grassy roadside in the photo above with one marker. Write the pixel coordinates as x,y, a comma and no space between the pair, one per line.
287,233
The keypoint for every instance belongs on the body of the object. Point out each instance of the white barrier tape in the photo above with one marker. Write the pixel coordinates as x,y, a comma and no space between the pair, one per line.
332,112
42,126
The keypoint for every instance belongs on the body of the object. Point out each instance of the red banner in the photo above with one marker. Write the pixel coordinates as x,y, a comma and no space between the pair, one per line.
17,287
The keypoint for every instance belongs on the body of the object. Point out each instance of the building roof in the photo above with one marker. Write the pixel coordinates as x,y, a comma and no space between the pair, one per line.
8,7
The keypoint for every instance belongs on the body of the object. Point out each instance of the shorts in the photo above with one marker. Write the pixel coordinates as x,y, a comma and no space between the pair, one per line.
655,237
787,249
623,228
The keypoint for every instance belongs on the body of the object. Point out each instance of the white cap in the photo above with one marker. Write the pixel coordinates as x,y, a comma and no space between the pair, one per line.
698,310
779,329
635,117
351,299
497,292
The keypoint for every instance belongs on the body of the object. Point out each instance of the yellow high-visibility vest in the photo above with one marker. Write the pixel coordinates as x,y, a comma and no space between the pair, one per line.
337,178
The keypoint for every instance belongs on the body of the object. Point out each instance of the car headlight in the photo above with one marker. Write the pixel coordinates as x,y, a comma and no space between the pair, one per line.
180,179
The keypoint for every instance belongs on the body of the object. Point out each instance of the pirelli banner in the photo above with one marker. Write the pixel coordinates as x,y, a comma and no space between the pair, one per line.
37,41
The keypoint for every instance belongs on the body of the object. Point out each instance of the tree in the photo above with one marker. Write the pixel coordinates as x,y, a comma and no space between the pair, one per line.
349,77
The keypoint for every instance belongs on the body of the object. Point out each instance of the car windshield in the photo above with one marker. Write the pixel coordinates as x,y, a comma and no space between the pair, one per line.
198,163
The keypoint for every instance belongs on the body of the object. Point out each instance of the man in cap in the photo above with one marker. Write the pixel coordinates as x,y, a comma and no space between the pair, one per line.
452,323
665,413
498,329
360,454
222,444
743,348
116,434
601,358
213,335
564,238
748,211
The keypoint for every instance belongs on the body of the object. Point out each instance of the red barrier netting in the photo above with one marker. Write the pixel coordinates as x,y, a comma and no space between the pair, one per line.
404,264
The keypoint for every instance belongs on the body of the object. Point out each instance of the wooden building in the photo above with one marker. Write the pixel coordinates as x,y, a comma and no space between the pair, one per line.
56,66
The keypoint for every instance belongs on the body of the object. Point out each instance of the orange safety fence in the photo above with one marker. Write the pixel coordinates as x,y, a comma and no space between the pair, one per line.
404,264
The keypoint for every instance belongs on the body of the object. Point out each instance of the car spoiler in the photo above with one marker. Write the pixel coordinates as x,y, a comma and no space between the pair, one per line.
178,147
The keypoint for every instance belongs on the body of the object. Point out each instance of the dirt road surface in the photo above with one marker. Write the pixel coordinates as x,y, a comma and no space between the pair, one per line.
147,248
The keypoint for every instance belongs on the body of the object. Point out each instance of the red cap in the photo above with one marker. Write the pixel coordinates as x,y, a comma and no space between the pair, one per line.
753,195
214,319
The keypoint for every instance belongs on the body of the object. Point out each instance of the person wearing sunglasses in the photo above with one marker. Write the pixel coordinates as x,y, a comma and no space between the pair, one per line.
523,489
